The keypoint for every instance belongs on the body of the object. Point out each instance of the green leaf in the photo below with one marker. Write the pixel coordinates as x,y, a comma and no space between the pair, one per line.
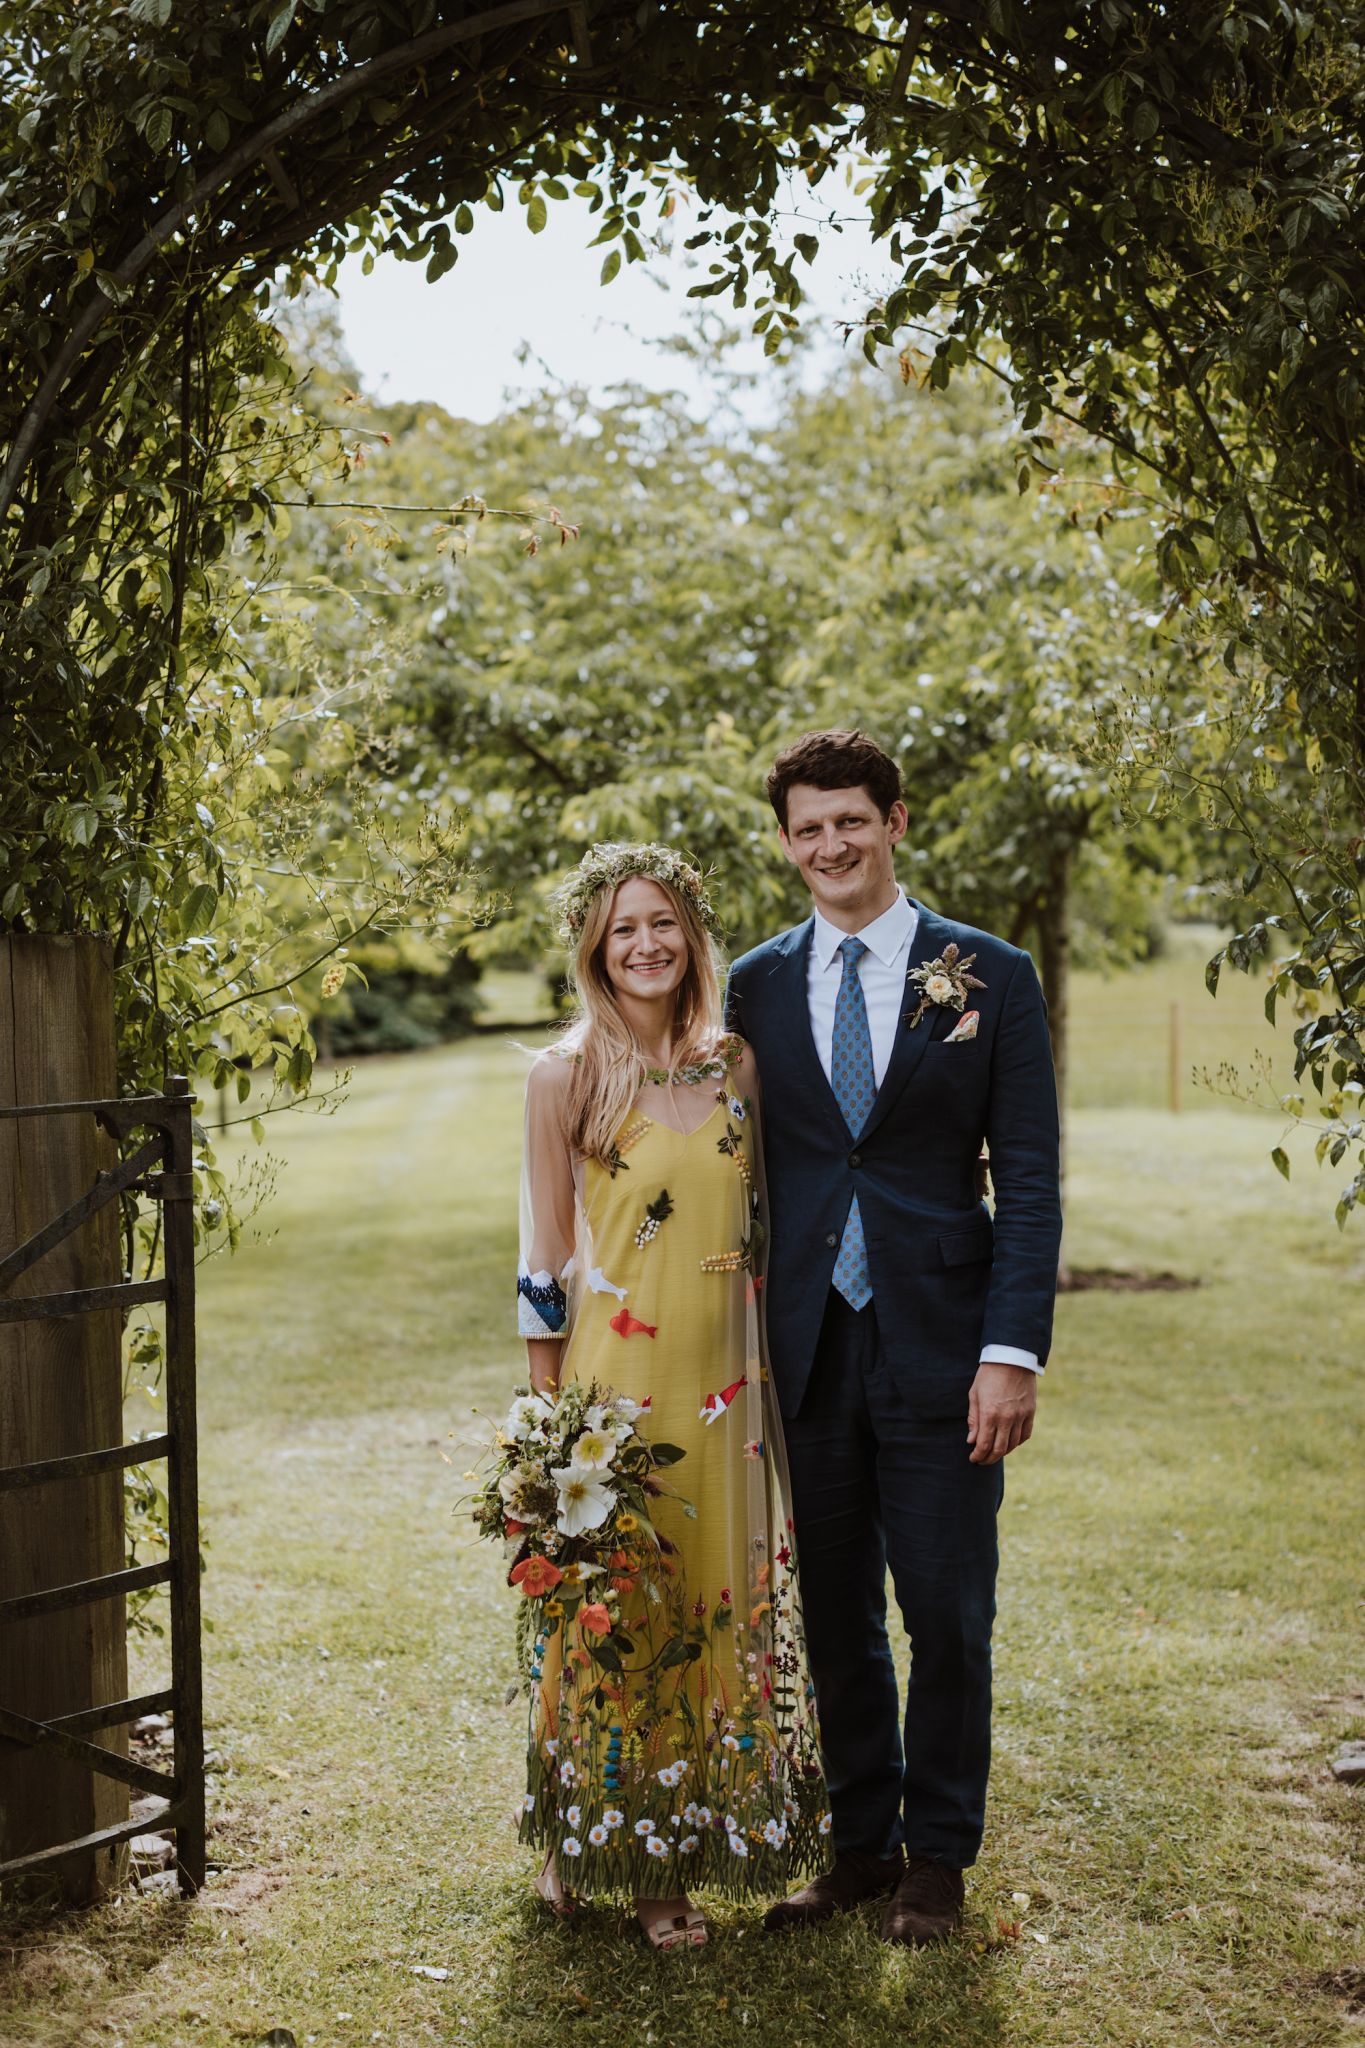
198,910
139,895
611,265
536,214
464,219
666,1454
1146,120
279,27
217,130
157,127
1280,1161
1213,970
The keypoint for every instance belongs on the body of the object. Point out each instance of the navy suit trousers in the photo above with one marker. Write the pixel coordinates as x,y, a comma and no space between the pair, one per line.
881,1477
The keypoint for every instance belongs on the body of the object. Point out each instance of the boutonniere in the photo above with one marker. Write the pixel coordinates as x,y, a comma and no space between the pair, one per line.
944,981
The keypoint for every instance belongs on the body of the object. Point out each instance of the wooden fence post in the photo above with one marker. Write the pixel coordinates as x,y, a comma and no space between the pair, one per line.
60,1392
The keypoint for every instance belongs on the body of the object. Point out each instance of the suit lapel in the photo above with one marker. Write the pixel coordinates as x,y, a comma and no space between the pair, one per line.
932,934
791,979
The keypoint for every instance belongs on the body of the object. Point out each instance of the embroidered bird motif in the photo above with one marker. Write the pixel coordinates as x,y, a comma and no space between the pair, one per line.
716,1404
627,1325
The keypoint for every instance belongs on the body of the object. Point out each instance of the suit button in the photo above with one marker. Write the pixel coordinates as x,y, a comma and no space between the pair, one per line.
855,1158
832,1241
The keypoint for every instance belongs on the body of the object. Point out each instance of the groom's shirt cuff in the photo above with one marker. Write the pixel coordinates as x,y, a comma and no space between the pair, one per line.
1005,1354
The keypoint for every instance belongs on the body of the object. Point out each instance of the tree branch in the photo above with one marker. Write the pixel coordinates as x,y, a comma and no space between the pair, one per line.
252,149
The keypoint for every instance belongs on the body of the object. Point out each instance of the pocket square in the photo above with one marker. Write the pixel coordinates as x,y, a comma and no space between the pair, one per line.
960,1033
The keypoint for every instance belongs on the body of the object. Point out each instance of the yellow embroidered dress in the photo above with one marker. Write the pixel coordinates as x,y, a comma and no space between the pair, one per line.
697,1763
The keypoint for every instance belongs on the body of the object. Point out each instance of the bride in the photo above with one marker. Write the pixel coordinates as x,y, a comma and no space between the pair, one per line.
642,1211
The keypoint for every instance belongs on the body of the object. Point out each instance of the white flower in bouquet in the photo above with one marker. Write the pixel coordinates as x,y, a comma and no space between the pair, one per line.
584,1502
939,989
627,1411
604,1418
526,1495
528,1415
593,1451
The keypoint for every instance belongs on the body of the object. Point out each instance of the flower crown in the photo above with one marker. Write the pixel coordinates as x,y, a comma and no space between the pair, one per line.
614,861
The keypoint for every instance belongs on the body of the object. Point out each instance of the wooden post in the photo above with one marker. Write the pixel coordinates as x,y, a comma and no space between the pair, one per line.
60,1392
1173,1060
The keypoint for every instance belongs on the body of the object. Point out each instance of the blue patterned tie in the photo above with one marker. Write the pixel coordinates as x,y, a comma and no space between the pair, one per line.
854,1080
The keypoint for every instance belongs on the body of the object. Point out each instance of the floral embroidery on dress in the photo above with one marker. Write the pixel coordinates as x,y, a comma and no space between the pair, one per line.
656,1212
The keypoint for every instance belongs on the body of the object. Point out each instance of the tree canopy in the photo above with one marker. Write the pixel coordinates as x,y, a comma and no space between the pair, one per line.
1144,219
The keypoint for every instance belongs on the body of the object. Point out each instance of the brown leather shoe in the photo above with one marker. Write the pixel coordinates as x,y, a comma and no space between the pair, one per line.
927,1906
856,1876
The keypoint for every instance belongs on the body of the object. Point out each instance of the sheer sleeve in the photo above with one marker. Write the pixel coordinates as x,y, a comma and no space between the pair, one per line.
547,1204
743,1079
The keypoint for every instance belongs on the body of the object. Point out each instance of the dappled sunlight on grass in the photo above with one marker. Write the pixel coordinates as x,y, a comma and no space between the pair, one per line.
1168,1862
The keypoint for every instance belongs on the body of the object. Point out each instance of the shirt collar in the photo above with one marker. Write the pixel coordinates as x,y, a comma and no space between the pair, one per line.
887,936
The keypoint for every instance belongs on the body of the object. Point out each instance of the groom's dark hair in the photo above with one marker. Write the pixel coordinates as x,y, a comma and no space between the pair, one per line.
834,760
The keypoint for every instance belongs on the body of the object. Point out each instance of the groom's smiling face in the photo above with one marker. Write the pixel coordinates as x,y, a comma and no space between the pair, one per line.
845,850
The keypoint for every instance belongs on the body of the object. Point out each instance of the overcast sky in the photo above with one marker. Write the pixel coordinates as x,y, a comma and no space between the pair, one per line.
513,294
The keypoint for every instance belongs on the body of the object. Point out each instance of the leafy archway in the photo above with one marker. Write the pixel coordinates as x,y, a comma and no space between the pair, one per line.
1146,219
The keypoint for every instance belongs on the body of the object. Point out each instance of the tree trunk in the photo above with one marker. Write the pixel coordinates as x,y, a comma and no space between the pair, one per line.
60,1393
1054,945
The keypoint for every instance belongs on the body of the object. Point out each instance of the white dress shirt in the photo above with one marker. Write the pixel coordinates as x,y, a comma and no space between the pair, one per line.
882,971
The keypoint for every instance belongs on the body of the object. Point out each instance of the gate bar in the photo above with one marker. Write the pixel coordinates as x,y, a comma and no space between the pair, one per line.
81,1300
107,1185
182,1484
43,1469
42,1735
114,1714
82,1591
167,1815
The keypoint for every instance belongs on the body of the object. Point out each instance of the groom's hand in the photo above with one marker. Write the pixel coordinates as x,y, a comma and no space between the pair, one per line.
1000,1410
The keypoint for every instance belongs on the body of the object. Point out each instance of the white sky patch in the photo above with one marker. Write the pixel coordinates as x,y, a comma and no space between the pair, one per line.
520,312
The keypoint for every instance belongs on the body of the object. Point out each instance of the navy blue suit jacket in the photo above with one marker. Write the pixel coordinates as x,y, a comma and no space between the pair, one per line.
946,1278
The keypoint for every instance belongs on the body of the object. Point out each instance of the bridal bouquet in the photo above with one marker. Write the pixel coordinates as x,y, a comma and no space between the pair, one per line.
568,1490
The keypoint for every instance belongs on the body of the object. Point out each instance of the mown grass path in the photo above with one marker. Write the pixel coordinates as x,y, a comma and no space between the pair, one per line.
1178,1648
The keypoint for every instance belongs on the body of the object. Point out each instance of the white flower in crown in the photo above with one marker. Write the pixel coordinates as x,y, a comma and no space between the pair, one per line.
944,981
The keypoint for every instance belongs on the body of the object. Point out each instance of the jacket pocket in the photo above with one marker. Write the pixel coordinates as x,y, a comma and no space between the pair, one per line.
966,1247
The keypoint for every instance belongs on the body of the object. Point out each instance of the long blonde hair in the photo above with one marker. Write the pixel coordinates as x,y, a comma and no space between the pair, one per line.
610,1064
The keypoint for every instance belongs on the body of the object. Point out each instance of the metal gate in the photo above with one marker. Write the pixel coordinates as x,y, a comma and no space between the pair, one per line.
161,1167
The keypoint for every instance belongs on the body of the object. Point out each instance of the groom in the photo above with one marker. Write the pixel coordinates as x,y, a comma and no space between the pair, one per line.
906,1329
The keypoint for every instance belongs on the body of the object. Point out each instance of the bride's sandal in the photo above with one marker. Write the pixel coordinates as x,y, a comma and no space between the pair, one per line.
561,1903
666,1929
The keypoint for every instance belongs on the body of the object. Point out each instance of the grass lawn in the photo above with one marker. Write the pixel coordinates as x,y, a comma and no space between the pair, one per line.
1179,1645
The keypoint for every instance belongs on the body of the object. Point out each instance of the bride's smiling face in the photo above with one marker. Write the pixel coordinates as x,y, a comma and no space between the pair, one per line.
645,950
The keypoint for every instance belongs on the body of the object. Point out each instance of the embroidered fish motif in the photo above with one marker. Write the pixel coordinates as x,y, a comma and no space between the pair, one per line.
716,1404
960,1033
627,1325
600,1284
